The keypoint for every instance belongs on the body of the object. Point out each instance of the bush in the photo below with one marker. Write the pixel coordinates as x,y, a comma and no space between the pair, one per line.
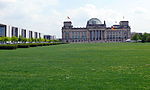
26,45
33,44
8,47
39,44
23,46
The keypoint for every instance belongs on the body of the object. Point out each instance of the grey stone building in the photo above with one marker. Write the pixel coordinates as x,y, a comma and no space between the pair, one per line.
96,31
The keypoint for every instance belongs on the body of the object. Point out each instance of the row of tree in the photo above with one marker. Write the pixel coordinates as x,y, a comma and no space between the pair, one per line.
141,37
21,39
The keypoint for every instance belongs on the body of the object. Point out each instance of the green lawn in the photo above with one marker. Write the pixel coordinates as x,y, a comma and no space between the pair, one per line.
100,66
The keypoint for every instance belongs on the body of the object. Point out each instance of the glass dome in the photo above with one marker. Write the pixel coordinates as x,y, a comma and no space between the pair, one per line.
94,21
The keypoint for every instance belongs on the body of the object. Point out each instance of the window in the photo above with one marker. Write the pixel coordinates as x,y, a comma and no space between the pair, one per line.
23,32
73,35
83,35
30,34
2,31
78,35
14,31
36,35
67,35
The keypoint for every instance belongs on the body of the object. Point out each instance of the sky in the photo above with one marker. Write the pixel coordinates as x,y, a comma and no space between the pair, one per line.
47,16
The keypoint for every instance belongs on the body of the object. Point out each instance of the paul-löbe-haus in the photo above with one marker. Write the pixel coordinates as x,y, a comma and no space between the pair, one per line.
10,31
95,31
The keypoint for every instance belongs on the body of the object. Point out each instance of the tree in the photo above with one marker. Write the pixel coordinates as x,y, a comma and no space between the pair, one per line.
14,39
20,39
136,37
43,40
5,39
29,40
33,40
148,39
2,39
144,37
24,40
39,39
56,40
46,40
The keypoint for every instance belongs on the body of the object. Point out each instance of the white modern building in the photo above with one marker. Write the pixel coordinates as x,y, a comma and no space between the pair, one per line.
10,31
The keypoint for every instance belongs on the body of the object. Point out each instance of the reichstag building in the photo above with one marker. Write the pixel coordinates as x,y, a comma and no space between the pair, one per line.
96,31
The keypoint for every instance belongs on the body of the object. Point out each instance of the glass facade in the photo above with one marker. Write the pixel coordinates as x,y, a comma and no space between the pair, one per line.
14,31
39,35
2,31
30,34
36,35
23,33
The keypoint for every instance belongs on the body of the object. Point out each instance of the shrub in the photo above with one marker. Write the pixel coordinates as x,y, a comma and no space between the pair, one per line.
26,45
23,45
39,44
8,47
33,45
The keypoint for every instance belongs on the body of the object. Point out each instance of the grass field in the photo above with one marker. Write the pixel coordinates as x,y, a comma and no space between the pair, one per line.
100,66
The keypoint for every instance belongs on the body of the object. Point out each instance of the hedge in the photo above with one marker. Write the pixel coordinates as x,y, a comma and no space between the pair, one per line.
23,46
26,45
8,47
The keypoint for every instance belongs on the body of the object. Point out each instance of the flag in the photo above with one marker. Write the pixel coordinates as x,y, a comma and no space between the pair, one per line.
68,17
123,17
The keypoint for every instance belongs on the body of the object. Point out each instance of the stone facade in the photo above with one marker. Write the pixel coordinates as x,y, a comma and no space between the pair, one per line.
95,31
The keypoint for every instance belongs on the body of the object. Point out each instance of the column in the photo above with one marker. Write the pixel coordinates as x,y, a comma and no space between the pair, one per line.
92,35
95,35
101,35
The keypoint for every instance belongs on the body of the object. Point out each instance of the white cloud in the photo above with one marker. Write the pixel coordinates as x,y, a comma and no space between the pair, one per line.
140,10
44,16
7,1
88,11
30,14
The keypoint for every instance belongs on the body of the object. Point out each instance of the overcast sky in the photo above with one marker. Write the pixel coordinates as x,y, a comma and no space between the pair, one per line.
47,16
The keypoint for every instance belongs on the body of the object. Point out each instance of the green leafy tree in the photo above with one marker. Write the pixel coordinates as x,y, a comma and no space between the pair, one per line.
33,40
148,39
24,40
5,39
39,39
43,40
1,39
14,39
56,40
144,37
46,40
136,37
20,39
36,40
29,40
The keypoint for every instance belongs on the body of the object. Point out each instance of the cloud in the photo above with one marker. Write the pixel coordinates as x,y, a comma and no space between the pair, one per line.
47,16
7,1
88,11
31,14
140,10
